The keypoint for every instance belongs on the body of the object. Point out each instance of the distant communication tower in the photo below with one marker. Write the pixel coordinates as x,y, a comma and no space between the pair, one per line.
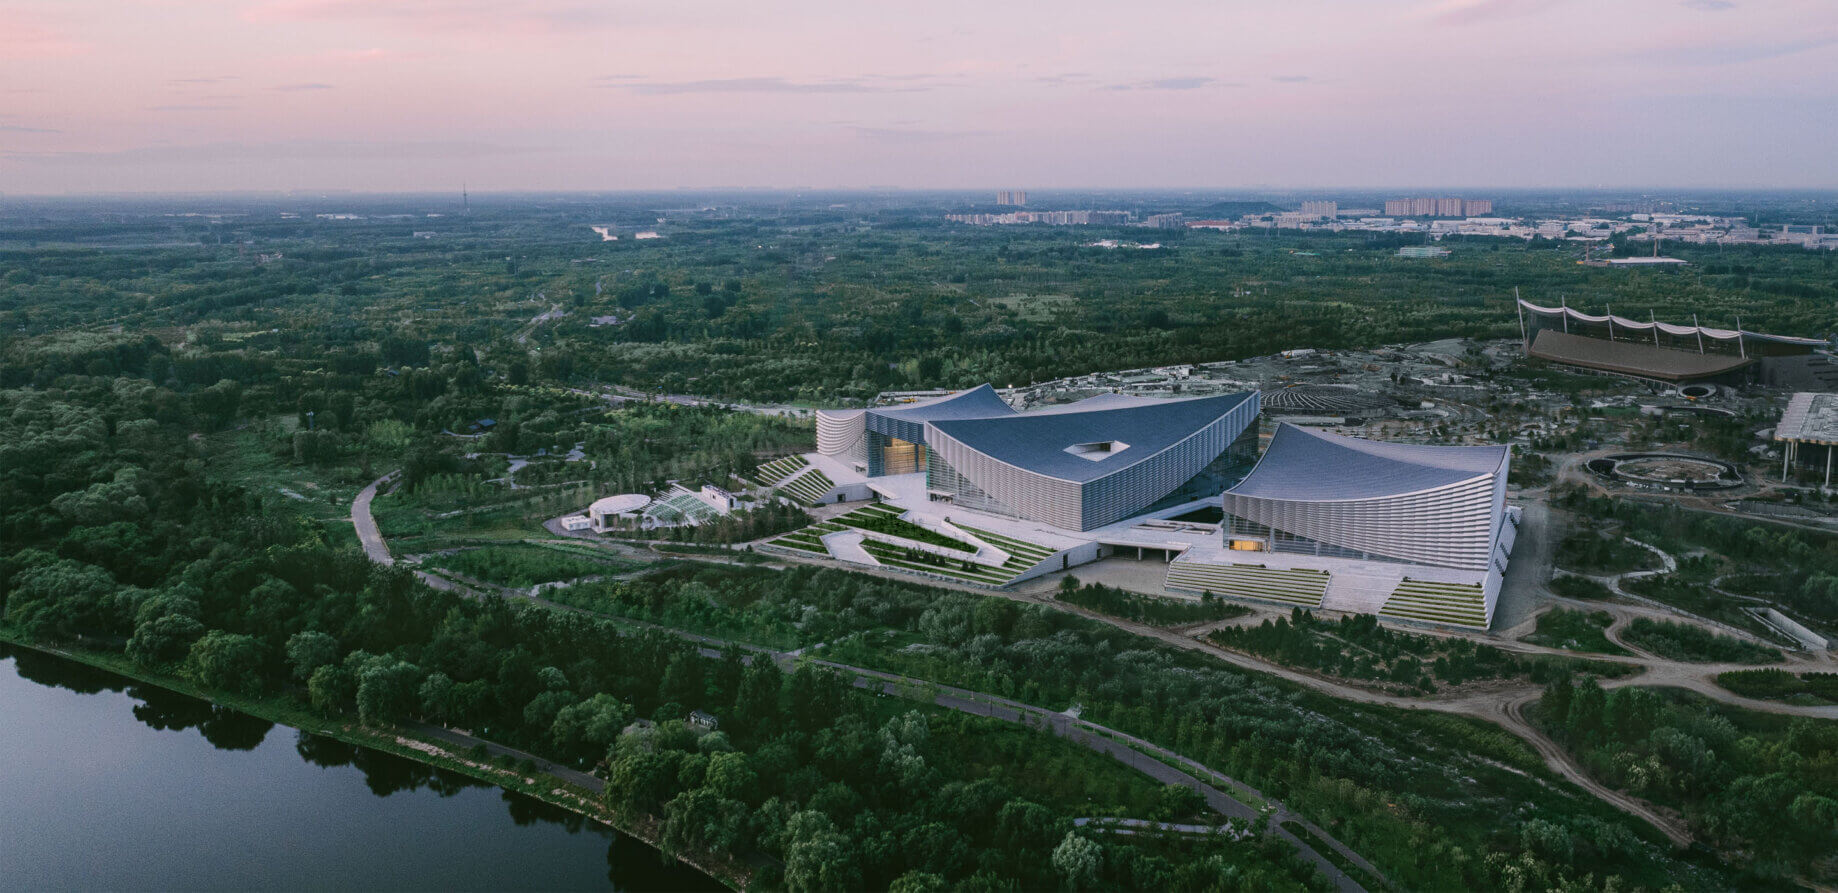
465,200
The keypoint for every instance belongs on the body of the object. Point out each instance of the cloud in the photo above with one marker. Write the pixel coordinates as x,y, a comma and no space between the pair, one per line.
300,88
218,79
22,37
485,17
21,128
1735,53
1709,5
910,135
219,153
191,107
1177,83
1475,12
758,85
1291,79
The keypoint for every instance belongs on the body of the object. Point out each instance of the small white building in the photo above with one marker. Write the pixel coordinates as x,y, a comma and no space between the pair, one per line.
605,514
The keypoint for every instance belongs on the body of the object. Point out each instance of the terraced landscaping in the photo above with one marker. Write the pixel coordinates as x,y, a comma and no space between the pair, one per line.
886,519
807,488
1453,603
779,469
1295,586
882,519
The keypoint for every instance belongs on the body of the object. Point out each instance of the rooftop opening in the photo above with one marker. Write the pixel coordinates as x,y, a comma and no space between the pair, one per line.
1097,451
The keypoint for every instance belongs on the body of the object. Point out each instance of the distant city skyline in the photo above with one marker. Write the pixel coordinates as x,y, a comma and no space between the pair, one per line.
418,95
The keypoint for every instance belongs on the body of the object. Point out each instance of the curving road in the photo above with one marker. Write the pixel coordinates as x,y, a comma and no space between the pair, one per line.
1157,762
1503,708
366,523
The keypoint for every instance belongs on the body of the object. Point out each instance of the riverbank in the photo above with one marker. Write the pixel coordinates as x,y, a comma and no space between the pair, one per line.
439,748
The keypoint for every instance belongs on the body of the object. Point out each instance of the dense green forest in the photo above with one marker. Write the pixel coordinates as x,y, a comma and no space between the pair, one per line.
835,789
829,305
190,405
1763,788
1425,797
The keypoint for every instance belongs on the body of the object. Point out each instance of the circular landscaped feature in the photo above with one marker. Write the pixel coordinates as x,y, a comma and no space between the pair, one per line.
1671,471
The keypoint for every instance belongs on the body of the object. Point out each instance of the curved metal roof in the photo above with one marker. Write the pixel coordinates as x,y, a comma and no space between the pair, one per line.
1306,465
1038,441
979,402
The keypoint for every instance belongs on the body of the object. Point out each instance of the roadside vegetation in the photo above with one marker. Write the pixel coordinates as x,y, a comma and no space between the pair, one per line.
1591,550
1726,564
523,565
1687,641
1575,631
1580,588
1756,787
1410,811
1780,685
1150,609
1356,647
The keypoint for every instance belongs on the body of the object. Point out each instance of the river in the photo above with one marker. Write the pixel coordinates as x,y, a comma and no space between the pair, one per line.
107,783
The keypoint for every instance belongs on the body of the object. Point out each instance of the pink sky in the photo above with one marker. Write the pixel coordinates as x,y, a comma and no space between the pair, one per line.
387,95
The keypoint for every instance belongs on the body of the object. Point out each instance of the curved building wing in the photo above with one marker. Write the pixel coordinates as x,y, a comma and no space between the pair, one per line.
842,433
1091,463
891,439
1332,495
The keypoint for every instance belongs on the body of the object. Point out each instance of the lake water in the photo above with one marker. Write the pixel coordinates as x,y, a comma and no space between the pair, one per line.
106,783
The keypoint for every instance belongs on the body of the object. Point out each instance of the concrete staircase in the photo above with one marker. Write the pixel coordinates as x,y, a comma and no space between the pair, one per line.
1362,591
1298,586
1455,604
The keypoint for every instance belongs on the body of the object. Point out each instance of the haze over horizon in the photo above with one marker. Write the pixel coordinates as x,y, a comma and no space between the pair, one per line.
417,95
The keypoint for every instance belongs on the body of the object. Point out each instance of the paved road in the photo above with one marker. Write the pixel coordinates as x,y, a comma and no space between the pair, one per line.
1533,549
366,523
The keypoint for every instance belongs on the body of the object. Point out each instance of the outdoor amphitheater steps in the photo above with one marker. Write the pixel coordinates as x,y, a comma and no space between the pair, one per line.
775,472
1295,586
1454,604
807,485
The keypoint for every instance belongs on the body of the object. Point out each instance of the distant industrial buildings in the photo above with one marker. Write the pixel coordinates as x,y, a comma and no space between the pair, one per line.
1011,197
1426,206
1051,218
1422,251
1328,210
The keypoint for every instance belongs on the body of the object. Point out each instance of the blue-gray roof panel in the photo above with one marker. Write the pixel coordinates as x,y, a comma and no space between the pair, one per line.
1303,464
979,402
1037,441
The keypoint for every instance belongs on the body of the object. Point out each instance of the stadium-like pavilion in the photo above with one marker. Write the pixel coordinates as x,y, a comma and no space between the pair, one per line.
1663,352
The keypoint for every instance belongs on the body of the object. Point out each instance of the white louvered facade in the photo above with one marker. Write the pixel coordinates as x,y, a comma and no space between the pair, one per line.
842,433
1428,505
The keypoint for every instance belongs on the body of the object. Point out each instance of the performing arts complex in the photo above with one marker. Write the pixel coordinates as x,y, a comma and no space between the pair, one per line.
965,488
